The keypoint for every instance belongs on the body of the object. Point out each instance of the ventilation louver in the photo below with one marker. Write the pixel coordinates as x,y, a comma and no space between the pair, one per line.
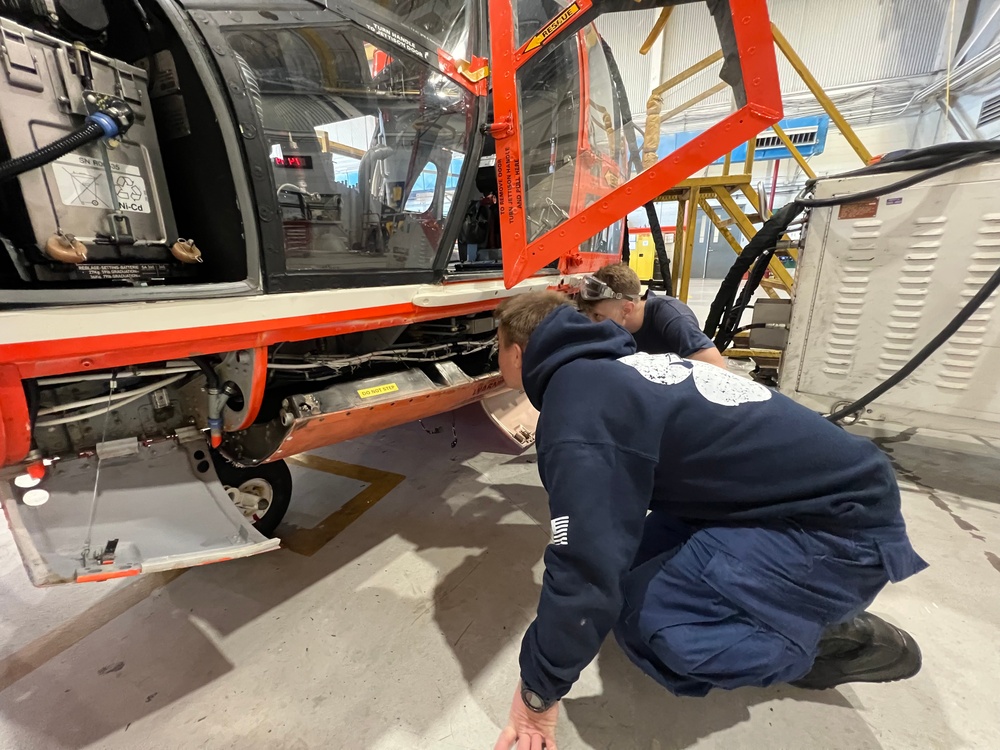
800,138
990,111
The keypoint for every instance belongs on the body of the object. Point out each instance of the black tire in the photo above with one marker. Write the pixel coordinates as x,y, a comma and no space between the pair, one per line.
276,474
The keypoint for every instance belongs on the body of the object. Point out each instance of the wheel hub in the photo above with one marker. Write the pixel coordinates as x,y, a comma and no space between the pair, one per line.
253,497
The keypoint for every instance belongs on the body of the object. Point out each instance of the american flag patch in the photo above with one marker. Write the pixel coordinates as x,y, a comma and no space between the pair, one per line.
560,530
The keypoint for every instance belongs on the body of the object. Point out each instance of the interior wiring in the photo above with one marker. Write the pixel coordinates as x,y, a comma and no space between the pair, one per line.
428,353
111,404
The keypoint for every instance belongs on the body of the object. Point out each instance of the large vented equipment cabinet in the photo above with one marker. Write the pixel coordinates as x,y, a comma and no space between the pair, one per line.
879,279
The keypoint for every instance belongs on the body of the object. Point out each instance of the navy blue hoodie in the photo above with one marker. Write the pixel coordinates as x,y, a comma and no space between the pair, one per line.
621,433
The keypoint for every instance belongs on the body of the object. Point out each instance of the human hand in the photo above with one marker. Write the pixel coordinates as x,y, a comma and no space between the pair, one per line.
529,730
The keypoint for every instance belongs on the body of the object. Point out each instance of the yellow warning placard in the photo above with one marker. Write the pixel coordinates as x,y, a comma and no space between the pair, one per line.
378,390
553,26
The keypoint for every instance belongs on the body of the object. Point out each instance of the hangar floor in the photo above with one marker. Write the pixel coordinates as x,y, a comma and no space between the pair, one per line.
397,626
392,619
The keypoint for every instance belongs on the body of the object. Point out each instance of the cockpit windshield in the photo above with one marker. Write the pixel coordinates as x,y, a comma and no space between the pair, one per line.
365,144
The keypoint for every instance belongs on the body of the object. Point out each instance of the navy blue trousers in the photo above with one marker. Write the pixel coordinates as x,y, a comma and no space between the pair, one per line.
727,607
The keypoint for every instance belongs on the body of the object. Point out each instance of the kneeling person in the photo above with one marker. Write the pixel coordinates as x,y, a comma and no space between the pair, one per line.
769,532
660,324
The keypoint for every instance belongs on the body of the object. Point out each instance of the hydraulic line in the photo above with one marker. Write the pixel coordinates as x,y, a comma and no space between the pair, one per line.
122,375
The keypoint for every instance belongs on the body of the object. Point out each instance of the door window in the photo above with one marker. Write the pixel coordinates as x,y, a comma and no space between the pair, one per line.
363,144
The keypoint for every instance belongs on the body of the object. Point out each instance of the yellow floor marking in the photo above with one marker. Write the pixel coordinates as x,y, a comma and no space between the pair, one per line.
380,483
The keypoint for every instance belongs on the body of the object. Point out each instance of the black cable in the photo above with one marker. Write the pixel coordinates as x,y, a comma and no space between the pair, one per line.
113,118
723,306
731,321
931,156
920,357
666,277
83,135
210,374
914,179
621,95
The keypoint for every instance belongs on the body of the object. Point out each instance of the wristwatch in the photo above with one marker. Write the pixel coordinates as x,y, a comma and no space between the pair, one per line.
534,701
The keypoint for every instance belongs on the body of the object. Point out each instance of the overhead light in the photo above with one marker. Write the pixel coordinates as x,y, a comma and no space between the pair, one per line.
26,481
36,497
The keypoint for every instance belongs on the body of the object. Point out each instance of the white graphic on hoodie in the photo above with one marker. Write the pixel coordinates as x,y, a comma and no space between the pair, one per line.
560,530
714,383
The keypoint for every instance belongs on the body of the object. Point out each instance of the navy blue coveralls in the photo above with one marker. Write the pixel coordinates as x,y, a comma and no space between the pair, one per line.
717,526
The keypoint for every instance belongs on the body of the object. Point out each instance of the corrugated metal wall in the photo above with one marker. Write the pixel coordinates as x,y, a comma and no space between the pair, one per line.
895,43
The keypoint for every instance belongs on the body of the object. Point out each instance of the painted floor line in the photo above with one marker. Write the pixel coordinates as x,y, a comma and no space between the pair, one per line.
308,542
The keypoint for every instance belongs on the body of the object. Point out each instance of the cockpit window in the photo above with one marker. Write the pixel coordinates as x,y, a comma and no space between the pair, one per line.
365,146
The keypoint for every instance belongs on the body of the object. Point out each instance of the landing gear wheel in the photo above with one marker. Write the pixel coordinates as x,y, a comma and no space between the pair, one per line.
261,492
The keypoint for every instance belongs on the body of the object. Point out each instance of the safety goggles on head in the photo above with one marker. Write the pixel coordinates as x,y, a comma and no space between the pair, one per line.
595,290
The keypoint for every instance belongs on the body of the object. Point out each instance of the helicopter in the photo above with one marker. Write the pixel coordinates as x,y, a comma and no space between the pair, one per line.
234,232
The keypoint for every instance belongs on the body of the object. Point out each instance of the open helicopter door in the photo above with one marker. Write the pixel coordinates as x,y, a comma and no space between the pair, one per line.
128,508
558,188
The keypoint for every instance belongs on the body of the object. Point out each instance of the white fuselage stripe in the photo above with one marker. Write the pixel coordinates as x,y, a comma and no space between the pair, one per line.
81,321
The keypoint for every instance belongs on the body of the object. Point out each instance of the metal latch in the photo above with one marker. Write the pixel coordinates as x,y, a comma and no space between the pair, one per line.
17,58
524,436
107,556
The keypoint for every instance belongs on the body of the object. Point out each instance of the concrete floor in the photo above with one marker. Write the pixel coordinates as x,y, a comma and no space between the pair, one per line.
397,624
403,630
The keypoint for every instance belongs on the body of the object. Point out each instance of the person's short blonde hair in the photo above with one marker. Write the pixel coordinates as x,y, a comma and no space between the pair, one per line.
620,278
518,316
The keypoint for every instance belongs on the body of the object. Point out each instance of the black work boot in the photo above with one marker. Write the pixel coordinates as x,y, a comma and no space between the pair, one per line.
863,649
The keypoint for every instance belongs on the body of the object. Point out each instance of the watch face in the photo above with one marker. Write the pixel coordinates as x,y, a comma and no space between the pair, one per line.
533,700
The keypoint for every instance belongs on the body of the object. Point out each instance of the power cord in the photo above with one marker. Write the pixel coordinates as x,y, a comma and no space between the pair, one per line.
929,162
920,357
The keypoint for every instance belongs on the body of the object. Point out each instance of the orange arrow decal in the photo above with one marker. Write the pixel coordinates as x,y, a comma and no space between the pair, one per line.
554,25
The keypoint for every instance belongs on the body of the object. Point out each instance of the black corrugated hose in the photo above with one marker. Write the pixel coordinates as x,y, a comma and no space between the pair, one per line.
724,315
633,149
114,118
86,133
926,163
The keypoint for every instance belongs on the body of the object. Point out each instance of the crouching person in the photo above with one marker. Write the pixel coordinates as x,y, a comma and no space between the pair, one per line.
659,324
769,529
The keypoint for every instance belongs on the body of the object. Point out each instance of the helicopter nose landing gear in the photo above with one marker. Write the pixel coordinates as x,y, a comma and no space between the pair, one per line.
261,493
